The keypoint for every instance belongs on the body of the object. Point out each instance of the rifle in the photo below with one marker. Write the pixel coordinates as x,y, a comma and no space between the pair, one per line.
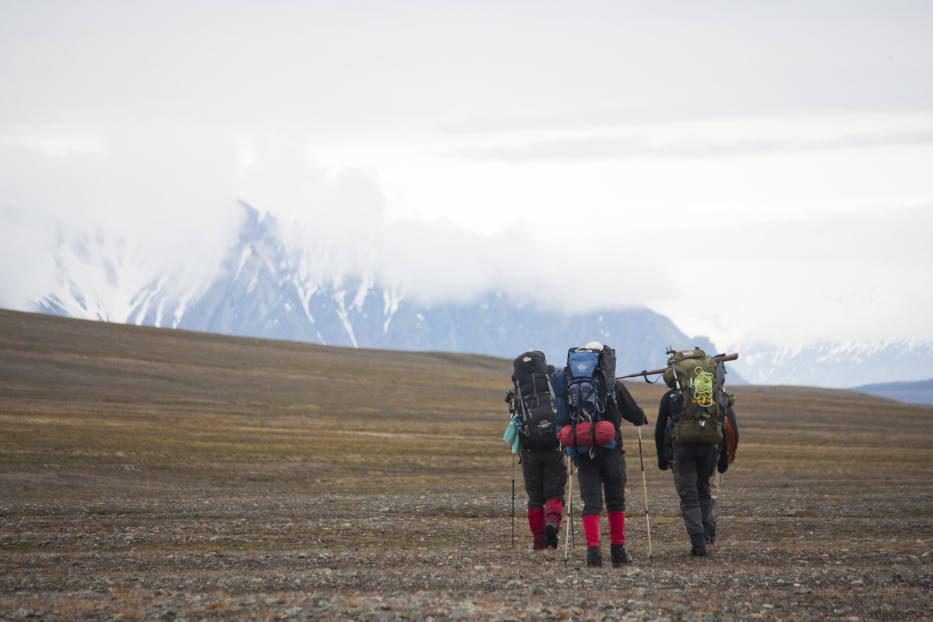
646,373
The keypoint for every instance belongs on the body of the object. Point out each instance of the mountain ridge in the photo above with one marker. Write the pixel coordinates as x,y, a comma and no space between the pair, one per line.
919,392
269,285
842,365
263,288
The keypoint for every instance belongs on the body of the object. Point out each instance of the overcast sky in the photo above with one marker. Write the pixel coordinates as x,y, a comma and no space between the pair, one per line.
756,171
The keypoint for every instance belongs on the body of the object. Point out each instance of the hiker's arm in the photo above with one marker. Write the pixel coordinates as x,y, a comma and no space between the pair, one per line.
735,426
660,428
722,465
630,411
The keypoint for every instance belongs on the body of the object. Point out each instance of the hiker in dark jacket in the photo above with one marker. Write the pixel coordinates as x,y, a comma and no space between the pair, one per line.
693,464
545,480
727,449
603,470
533,407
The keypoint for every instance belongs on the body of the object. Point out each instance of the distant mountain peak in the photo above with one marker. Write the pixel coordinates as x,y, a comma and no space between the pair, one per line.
265,288
270,284
837,364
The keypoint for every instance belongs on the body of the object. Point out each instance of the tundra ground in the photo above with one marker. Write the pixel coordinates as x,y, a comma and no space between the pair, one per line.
154,474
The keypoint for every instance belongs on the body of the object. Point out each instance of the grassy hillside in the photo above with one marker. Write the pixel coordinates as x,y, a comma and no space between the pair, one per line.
151,473
919,392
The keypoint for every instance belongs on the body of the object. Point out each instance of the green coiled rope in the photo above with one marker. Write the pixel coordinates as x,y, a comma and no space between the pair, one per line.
703,386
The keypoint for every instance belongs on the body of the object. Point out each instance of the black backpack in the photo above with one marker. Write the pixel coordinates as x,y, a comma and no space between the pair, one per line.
532,403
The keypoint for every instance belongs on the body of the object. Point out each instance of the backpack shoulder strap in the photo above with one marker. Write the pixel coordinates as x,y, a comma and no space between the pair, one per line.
521,402
550,388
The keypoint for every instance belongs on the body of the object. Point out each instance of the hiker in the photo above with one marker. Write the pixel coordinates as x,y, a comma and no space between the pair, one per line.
533,409
728,446
689,436
545,479
595,405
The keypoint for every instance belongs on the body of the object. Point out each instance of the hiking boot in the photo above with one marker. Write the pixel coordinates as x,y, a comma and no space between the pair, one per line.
551,535
620,556
710,539
698,550
594,557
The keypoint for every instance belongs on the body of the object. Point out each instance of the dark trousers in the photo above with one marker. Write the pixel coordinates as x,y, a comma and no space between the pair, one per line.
545,476
693,464
605,471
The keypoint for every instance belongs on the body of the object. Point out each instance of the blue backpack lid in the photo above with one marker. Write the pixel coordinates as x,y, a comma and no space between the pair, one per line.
582,363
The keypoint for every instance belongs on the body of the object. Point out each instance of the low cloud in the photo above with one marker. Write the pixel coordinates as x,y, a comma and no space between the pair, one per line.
341,218
639,145
167,195
845,274
723,272
26,265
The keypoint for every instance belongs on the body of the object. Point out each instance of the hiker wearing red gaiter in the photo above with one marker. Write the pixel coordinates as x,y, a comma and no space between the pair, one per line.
602,470
533,408
545,478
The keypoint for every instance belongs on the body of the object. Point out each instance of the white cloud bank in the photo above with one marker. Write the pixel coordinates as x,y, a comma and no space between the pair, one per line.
163,199
594,154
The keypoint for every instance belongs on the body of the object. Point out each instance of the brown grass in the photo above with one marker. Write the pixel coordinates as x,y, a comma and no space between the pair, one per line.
179,454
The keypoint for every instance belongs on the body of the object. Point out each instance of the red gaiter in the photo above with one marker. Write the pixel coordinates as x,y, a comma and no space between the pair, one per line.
591,530
617,527
553,511
536,524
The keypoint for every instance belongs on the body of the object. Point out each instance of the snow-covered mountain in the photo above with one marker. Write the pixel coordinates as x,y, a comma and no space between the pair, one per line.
96,278
263,288
841,365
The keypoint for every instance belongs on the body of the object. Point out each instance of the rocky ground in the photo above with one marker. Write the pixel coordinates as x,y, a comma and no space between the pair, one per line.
161,475
256,555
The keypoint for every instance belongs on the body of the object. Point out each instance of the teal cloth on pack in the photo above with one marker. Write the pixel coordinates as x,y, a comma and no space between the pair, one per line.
511,437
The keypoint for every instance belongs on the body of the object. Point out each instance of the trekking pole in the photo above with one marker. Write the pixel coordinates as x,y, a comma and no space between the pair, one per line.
568,531
513,501
573,531
644,487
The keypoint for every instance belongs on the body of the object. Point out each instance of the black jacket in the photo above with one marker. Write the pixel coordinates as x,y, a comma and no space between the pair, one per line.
628,409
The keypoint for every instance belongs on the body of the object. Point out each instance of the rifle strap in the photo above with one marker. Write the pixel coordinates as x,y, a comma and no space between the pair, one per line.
644,374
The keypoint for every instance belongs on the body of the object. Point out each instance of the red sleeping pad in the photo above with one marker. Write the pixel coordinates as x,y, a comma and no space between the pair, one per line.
582,434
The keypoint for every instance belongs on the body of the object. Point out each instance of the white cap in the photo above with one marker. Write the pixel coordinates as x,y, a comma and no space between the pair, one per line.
594,345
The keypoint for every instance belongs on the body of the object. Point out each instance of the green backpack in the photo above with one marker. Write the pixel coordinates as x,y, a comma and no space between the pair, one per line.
698,381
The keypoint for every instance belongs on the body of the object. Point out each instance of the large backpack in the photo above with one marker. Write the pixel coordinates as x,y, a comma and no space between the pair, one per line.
533,404
701,407
591,416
